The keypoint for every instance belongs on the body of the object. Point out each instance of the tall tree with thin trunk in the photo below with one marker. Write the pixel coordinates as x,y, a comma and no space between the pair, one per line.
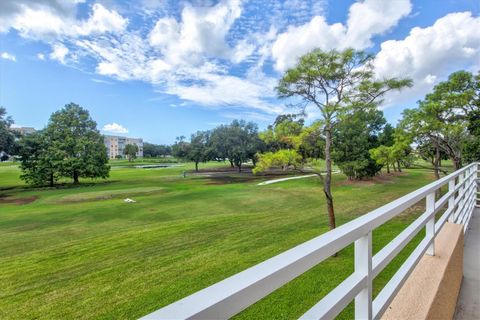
335,82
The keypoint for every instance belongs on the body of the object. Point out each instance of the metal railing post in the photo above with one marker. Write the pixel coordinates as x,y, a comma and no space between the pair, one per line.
461,194
466,188
476,185
430,226
451,200
472,185
363,265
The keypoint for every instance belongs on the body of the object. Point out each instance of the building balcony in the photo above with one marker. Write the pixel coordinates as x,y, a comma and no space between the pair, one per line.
439,280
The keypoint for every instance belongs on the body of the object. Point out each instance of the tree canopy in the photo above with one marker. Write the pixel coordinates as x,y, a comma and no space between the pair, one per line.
70,146
7,137
237,142
130,151
443,118
335,83
197,150
353,137
151,150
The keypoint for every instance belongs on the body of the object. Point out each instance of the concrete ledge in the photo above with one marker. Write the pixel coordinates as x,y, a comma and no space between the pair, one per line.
432,289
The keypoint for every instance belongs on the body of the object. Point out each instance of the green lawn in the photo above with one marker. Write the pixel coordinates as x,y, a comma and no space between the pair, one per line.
82,253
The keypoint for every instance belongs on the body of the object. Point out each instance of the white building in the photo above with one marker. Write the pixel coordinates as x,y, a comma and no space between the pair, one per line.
115,145
23,130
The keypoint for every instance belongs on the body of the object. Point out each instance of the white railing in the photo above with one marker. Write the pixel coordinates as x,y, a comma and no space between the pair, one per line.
232,295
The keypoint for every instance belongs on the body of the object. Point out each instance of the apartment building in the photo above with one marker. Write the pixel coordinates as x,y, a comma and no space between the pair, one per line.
23,130
115,145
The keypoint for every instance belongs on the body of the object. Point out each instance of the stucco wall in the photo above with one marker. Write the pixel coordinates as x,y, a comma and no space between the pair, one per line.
432,289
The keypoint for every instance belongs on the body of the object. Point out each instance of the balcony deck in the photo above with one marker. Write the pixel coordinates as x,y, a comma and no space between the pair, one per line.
468,305
230,296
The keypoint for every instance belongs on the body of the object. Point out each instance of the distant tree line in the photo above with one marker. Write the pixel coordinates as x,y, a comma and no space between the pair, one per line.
151,150
237,142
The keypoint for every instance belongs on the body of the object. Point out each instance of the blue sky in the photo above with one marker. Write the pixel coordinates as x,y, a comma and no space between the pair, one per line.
161,69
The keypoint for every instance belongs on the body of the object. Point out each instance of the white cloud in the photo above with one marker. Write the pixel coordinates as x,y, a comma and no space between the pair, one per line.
40,56
176,58
8,56
114,128
373,17
100,21
101,81
218,55
224,90
365,20
59,52
50,20
296,41
200,33
11,11
428,55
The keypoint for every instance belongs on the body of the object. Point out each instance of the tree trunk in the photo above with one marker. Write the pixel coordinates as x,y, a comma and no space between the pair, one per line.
393,166
196,166
398,166
436,161
328,176
231,163
388,167
52,181
75,177
239,166
457,163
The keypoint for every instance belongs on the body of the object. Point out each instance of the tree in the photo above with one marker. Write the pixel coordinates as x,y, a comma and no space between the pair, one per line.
282,133
448,108
383,155
73,135
442,118
199,150
180,148
353,137
151,150
471,148
386,137
282,158
335,82
400,153
39,161
311,142
130,151
423,127
7,137
402,150
238,142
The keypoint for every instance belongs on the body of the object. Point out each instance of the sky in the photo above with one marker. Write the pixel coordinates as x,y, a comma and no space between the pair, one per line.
158,69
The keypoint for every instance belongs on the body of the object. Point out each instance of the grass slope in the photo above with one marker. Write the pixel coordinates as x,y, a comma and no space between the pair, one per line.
83,253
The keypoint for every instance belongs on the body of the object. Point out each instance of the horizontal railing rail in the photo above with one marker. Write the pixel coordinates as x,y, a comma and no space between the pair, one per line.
232,295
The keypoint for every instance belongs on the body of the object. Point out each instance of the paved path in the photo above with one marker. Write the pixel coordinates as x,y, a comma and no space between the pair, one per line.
290,178
468,304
